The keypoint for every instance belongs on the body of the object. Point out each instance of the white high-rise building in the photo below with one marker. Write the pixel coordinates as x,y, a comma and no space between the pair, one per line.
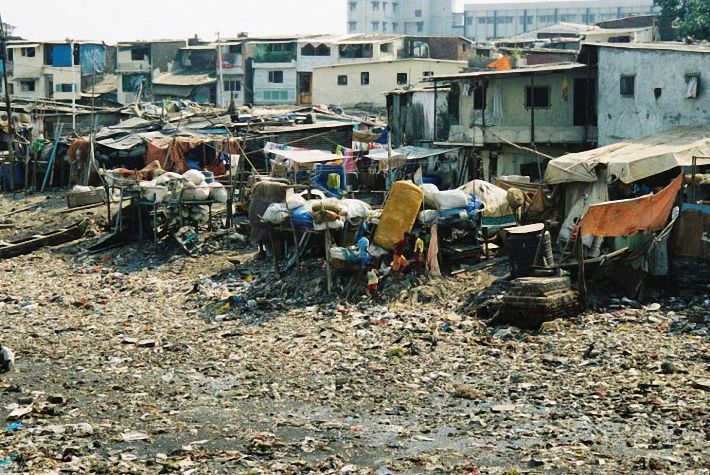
482,22
408,17
503,20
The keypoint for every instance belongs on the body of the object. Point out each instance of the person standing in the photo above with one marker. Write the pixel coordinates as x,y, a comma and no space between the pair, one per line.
419,253
373,282
363,247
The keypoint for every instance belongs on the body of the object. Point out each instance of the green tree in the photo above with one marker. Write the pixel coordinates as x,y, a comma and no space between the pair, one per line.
690,18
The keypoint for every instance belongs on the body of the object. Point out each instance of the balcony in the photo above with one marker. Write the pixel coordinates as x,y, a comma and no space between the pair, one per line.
275,57
133,67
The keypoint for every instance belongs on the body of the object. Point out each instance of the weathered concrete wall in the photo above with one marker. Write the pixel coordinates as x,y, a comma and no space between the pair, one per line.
624,117
552,125
382,78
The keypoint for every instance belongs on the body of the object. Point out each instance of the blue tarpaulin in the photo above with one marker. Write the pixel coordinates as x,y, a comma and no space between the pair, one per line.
61,56
93,59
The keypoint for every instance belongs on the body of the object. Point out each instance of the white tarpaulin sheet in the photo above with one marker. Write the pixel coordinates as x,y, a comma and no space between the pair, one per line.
306,156
634,159
409,153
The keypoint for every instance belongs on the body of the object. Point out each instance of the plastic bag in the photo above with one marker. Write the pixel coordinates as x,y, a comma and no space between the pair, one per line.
450,199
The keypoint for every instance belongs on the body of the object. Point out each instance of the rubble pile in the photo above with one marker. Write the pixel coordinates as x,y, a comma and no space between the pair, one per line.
127,369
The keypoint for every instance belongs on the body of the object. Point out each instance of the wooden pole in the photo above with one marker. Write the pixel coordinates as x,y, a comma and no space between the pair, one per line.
295,243
8,104
328,271
581,282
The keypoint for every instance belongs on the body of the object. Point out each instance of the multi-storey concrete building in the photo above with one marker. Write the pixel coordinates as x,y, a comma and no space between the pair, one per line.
55,70
502,20
138,62
482,22
410,17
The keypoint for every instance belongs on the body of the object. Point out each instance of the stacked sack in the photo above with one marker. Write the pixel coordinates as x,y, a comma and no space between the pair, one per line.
448,205
190,186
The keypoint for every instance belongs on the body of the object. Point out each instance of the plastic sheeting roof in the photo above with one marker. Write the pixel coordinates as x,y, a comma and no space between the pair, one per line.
306,156
410,153
635,159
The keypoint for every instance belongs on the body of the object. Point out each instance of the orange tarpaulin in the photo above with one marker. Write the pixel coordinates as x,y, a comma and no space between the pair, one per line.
501,64
627,217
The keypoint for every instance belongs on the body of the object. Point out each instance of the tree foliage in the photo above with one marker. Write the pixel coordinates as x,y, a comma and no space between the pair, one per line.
690,18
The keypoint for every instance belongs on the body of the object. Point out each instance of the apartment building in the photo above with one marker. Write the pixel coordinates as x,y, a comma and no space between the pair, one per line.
491,21
410,17
58,71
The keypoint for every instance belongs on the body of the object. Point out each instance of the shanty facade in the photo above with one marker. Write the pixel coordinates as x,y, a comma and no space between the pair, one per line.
138,62
514,118
55,70
366,83
193,76
230,73
650,87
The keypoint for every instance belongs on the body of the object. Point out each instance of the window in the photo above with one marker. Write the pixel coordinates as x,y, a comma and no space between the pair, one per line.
11,89
364,79
232,86
402,79
420,26
428,74
235,49
28,53
276,95
375,6
375,26
386,47
384,6
352,26
310,50
384,27
395,26
537,97
418,13
276,77
64,87
526,19
27,85
342,80
395,6
353,6
137,54
692,84
627,85
469,20
478,91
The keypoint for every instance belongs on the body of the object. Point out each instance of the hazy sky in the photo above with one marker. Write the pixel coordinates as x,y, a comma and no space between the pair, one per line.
113,20
116,20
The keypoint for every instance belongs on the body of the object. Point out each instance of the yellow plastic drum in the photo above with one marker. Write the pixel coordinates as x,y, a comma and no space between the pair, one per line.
399,214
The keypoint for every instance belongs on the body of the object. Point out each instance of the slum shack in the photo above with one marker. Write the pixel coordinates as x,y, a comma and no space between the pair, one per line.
625,199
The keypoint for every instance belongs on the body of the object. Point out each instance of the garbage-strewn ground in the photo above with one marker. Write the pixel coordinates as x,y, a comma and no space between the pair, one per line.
122,367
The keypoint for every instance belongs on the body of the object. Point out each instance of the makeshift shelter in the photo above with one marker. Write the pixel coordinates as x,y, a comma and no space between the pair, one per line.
635,159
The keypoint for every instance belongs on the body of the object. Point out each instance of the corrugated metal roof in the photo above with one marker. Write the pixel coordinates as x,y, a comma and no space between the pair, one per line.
183,79
369,38
211,46
543,68
662,46
394,61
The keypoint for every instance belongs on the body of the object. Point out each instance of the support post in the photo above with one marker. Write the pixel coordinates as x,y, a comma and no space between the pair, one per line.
328,271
